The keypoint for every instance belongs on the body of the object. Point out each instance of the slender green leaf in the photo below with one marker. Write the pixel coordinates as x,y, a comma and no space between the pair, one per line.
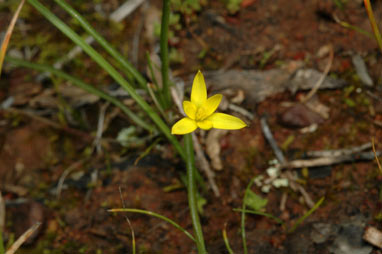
7,37
151,68
243,234
126,66
373,23
307,214
2,251
83,85
132,210
226,242
111,70
164,52
260,213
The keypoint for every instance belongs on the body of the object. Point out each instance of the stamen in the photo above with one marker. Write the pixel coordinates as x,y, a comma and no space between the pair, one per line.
200,114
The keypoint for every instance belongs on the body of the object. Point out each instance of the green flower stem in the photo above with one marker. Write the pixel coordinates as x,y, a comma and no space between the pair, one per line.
373,23
77,82
127,67
111,70
164,53
2,250
191,190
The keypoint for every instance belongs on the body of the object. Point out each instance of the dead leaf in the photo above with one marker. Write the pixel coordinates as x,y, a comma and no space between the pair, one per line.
213,147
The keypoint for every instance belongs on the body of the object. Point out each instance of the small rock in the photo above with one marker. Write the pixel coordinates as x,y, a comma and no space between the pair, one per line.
299,116
373,236
349,241
361,69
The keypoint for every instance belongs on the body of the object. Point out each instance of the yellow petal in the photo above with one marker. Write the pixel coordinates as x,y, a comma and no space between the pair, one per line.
205,125
225,121
199,90
212,104
190,109
183,126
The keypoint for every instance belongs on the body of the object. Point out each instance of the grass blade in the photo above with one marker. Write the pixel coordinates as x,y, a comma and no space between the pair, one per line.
133,210
302,218
355,28
243,234
164,53
85,86
8,34
2,251
111,70
373,23
260,213
125,64
226,242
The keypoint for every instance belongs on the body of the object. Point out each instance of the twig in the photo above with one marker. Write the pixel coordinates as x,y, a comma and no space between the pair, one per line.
92,182
100,127
127,219
16,245
283,201
117,16
272,142
241,110
156,102
280,157
374,96
50,123
20,191
204,164
339,152
323,76
137,35
297,187
66,172
177,100
326,161
125,10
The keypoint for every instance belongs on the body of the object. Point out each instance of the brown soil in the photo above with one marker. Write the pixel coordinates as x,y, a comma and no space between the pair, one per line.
35,154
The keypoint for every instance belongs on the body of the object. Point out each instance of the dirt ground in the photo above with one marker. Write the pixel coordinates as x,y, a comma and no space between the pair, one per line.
51,170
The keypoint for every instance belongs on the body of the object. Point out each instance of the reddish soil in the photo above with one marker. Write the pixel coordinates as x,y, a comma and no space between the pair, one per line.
36,153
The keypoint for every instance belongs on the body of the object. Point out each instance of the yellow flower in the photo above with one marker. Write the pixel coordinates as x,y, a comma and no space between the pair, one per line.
200,111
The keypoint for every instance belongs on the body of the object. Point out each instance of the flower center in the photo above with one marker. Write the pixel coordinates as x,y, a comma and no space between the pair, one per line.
201,114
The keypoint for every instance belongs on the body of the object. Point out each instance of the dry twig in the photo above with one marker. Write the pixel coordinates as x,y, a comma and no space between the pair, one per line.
205,165
65,174
241,110
280,157
16,245
326,161
323,76
272,142
339,152
49,122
